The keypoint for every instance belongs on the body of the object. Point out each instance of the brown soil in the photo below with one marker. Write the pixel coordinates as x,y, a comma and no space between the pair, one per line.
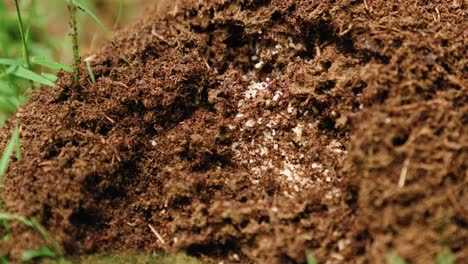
252,131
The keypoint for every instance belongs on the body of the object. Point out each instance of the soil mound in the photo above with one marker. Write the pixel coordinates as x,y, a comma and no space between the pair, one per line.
253,131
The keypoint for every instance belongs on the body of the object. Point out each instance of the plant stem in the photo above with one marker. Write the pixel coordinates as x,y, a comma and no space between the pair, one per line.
23,37
76,54
90,71
119,15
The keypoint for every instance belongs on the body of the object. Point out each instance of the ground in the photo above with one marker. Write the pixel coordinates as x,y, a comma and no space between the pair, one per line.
253,131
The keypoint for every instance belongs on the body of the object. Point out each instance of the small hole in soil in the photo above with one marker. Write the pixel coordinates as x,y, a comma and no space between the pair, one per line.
212,249
404,220
104,129
52,154
244,223
450,178
264,219
147,214
359,88
352,198
150,131
326,64
347,45
235,37
46,213
324,208
360,250
181,201
212,13
327,124
460,222
268,69
83,217
325,86
400,138
286,259
64,95
92,181
383,58
445,43
381,96
362,236
276,16
113,192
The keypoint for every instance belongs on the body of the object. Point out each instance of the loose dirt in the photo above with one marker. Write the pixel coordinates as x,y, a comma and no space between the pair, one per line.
253,131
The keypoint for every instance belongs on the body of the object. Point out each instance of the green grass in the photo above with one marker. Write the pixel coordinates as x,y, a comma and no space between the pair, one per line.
138,259
395,259
310,258
23,37
8,152
42,252
16,78
444,257
56,252
90,71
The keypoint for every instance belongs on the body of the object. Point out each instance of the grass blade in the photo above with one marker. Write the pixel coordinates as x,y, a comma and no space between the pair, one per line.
310,258
29,75
50,76
6,90
17,139
22,219
23,37
36,225
50,64
4,227
4,260
119,14
39,253
8,105
445,257
395,259
9,62
6,156
90,72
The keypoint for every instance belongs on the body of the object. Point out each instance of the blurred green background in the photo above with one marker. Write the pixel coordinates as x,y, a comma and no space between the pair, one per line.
47,22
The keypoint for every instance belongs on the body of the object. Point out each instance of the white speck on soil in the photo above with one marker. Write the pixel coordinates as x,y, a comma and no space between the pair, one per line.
249,123
278,146
259,65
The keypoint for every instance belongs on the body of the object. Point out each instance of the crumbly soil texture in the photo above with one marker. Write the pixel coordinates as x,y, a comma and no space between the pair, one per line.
255,131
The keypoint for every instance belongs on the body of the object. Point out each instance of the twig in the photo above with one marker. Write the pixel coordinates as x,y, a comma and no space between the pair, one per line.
418,104
157,35
157,235
206,64
110,119
403,174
